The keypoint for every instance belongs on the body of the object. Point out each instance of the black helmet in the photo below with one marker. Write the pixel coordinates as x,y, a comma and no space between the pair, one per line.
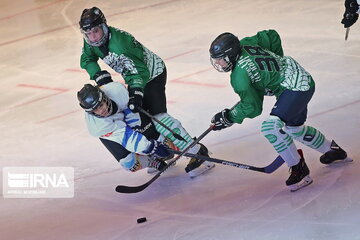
90,97
90,18
227,47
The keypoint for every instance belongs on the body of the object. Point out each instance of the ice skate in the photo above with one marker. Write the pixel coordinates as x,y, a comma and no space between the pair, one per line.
170,145
299,176
197,167
154,164
157,163
335,154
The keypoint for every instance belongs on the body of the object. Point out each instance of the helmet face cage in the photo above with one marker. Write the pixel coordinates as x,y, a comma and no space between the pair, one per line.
102,40
106,100
222,67
91,18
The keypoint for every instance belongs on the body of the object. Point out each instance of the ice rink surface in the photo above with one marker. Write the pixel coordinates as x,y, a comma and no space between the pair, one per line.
43,125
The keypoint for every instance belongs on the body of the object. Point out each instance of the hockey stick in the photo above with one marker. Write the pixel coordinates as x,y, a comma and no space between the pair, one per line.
135,189
347,33
267,169
177,136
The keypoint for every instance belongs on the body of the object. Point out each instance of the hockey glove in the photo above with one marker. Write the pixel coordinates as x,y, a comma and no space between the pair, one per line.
136,95
351,6
349,19
102,78
157,150
350,15
221,121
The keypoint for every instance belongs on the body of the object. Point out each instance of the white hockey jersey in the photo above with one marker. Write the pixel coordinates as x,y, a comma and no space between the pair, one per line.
119,126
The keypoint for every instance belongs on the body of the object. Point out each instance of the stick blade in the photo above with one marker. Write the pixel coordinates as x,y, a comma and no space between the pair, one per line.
274,165
136,189
130,189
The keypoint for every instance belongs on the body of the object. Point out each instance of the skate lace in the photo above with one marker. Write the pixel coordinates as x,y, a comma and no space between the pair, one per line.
293,172
155,163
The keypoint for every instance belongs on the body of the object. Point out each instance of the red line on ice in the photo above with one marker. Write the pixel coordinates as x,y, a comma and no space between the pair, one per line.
57,92
67,26
181,54
42,87
59,116
31,10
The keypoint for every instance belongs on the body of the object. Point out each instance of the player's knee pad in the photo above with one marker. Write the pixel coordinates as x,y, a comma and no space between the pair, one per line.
306,134
272,129
134,162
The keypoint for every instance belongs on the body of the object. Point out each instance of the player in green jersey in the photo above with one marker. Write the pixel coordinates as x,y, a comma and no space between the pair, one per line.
258,68
144,73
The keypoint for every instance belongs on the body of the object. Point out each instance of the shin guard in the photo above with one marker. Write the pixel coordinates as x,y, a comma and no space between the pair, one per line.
281,141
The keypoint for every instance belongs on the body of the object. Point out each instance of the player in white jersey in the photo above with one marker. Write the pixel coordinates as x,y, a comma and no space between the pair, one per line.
108,118
131,137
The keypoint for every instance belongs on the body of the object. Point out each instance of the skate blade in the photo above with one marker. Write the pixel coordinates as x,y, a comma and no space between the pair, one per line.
346,160
152,170
303,183
197,172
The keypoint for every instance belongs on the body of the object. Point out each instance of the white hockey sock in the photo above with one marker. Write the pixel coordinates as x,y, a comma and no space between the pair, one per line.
310,137
290,155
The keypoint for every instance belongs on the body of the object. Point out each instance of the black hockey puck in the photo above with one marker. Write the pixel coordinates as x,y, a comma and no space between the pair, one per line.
141,220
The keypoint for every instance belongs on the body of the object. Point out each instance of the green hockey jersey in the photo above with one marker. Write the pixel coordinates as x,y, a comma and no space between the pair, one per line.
261,70
125,55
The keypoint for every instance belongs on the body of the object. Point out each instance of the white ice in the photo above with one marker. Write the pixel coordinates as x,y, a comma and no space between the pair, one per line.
42,124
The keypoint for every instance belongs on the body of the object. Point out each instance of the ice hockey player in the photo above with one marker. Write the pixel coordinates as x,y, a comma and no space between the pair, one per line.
130,137
259,68
143,71
351,13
